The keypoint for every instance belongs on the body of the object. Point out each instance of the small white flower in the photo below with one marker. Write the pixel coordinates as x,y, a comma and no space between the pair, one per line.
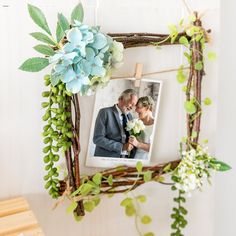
192,170
117,54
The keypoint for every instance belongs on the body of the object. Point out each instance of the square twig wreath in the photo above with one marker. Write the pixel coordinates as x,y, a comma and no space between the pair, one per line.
83,59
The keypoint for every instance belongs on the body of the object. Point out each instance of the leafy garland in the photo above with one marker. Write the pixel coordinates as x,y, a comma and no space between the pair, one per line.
83,59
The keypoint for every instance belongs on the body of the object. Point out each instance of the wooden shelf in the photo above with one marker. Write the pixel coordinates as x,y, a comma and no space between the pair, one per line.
16,219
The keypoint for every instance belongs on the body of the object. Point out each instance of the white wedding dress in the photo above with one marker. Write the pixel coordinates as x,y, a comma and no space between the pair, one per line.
145,137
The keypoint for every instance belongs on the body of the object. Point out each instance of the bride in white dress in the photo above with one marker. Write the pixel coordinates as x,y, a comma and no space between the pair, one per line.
144,108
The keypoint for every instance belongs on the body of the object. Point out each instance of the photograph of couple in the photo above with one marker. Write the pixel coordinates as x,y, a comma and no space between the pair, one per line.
124,130
111,137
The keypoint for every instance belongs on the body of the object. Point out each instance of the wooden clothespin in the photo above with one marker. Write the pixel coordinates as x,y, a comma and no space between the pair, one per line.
138,74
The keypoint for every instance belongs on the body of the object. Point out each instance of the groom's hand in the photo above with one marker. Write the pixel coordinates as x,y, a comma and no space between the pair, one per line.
127,147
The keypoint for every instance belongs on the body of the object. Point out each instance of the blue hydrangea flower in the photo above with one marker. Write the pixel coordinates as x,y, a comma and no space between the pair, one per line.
85,62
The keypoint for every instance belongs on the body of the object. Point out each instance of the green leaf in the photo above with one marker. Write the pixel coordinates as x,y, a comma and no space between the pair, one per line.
46,177
173,29
46,127
198,65
56,158
146,219
173,32
194,134
38,17
55,149
69,134
54,90
181,78
221,165
42,37
182,199
34,64
183,40
97,178
96,200
47,77
120,168
190,107
68,93
167,168
175,178
183,210
211,56
205,141
160,179
63,22
110,180
77,13
192,18
89,206
184,88
130,210
184,139
147,176
187,56
193,30
71,207
141,198
149,234
46,159
44,49
198,37
127,201
45,94
59,32
207,101
174,226
181,22
139,166
77,218
173,188
86,189
44,104
47,185
173,38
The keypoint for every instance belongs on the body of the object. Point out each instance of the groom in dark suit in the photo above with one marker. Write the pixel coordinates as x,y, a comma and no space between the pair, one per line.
110,136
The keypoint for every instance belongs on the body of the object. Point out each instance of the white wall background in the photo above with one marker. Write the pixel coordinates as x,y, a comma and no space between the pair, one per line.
225,193
21,165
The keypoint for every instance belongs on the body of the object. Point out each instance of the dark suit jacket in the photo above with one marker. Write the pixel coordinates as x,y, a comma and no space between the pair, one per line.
109,135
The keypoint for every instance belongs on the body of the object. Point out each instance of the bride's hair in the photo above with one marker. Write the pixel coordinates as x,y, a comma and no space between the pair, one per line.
146,101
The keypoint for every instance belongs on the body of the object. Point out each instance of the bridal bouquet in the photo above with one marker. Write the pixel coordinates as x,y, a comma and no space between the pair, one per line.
135,127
